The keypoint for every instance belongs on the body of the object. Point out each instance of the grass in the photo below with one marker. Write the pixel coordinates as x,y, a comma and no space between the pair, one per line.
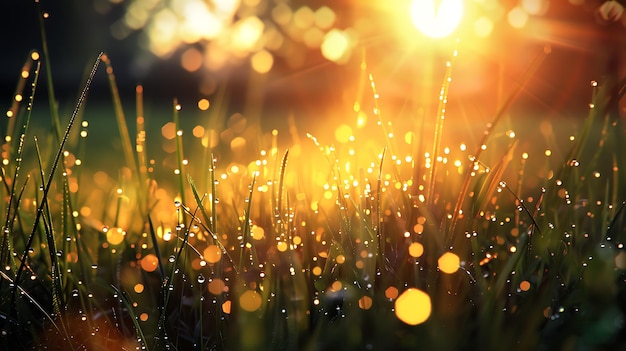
370,244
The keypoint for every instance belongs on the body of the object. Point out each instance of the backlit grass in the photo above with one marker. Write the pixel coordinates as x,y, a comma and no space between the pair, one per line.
368,237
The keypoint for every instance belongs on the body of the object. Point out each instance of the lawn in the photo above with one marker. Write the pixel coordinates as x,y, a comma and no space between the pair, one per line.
384,225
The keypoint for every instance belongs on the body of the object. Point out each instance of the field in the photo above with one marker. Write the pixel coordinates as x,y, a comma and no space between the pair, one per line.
365,233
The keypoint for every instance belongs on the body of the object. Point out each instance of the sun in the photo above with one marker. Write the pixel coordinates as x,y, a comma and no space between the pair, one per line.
436,18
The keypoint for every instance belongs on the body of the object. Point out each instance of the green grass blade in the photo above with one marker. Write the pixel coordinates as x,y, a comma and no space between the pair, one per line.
281,184
48,185
467,177
380,233
247,231
46,225
6,247
14,112
141,137
180,159
129,307
200,203
54,111
439,122
157,251
32,300
127,147
213,223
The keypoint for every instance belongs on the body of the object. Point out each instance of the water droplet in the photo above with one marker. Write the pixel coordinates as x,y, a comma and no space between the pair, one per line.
172,258
201,279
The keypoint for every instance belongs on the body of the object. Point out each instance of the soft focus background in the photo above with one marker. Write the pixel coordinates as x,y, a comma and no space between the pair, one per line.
277,59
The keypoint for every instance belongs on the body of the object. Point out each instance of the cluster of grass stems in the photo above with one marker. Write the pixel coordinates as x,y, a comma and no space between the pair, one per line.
63,286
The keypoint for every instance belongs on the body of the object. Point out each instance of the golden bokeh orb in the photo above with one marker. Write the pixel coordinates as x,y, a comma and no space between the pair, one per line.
413,306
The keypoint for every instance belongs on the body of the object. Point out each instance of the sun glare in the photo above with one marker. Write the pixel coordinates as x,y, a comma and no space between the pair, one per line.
436,19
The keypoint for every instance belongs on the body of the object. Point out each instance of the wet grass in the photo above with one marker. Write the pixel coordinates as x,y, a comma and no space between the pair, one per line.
312,246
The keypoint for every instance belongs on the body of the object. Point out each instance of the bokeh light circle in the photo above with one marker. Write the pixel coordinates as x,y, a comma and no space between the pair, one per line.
449,263
212,254
416,249
250,301
413,306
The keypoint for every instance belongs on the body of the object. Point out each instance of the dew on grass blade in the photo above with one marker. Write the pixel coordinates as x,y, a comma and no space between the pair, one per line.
413,306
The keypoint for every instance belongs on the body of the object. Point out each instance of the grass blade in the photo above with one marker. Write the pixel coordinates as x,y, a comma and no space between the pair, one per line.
440,118
34,302
127,147
179,153
200,203
129,307
499,115
54,111
157,251
46,190
247,231
5,246
281,184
